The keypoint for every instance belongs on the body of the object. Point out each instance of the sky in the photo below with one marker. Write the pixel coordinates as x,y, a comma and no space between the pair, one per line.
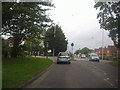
78,21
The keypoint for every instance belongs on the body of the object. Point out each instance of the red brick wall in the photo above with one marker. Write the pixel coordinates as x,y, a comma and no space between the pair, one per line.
108,51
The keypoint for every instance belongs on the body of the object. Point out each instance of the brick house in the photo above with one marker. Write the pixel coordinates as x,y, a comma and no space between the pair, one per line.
110,50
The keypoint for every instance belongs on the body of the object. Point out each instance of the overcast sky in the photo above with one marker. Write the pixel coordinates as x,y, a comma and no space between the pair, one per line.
78,21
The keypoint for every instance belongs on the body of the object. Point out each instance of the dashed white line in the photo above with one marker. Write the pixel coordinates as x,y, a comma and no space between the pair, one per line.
107,78
109,82
105,73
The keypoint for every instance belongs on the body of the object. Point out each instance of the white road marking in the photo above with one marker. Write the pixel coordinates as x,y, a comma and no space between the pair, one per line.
105,73
93,67
109,82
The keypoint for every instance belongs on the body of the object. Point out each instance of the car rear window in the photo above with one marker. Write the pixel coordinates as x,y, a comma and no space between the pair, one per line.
95,56
63,54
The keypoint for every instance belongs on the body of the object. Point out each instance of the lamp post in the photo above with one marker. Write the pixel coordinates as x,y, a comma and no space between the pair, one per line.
47,50
117,55
102,43
79,52
72,44
54,38
17,1
103,37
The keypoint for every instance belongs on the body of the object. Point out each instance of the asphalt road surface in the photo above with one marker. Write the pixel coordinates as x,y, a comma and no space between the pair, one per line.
79,74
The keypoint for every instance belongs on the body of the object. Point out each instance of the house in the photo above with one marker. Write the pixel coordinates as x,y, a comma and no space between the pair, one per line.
110,50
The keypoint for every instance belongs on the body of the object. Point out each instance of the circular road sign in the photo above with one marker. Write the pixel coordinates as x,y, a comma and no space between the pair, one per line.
72,44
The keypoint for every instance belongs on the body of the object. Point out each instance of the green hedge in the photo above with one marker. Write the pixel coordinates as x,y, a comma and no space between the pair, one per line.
115,63
111,57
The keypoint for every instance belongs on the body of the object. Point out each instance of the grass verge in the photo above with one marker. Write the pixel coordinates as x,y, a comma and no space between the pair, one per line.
17,71
115,63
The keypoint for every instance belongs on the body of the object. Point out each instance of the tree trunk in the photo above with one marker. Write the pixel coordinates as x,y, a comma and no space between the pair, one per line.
16,48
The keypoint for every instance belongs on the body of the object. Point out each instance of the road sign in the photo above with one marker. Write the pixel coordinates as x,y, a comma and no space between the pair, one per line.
72,44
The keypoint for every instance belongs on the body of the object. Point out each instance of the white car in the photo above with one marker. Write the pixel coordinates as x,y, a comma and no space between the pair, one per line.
63,57
94,58
83,56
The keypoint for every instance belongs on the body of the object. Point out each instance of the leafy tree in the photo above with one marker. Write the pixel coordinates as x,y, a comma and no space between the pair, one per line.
24,20
109,18
85,51
77,52
56,40
33,45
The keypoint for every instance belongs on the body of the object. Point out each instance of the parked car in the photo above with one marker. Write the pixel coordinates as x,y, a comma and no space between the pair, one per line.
94,58
83,56
63,57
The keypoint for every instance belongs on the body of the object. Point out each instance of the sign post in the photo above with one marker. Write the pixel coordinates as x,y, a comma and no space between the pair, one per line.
72,44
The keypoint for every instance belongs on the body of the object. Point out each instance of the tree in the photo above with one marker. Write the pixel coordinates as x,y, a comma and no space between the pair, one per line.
56,40
33,45
109,18
77,52
85,51
24,20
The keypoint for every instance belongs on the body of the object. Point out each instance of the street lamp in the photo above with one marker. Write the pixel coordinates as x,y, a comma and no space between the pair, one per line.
17,1
117,55
103,37
102,43
72,44
47,50
54,37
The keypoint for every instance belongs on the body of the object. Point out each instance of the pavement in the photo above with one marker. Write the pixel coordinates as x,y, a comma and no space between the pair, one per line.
79,74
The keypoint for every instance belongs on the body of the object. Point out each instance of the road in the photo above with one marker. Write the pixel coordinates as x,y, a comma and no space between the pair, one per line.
79,74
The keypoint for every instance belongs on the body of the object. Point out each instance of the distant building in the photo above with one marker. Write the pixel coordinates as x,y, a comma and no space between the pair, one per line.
111,51
107,51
